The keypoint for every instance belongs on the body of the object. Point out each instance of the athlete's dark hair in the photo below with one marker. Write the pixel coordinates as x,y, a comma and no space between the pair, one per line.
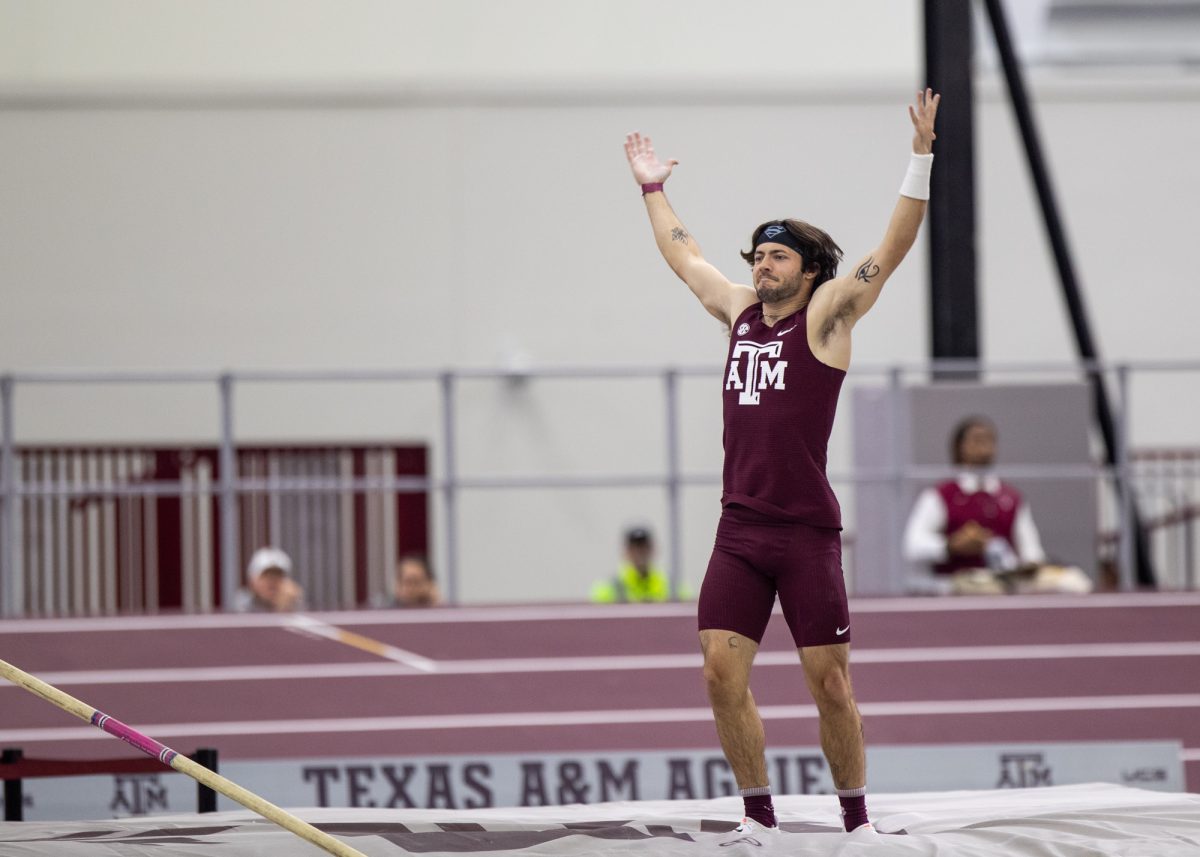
960,433
816,248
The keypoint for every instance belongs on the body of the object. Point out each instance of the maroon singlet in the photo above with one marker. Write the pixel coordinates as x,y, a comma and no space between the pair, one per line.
779,405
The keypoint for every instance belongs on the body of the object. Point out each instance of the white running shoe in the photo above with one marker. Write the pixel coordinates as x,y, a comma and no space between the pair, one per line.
748,830
749,825
865,829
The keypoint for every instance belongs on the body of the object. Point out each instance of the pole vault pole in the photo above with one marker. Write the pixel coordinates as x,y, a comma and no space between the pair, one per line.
179,762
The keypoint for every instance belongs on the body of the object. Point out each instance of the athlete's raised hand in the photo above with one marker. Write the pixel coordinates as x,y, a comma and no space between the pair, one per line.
922,118
646,166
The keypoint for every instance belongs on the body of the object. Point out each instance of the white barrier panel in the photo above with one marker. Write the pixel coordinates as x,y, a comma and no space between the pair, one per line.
538,779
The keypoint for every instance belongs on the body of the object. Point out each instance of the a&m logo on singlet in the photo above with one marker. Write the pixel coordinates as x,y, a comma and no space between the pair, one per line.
757,372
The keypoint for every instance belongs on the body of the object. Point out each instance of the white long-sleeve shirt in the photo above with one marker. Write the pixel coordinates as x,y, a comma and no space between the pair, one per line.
925,534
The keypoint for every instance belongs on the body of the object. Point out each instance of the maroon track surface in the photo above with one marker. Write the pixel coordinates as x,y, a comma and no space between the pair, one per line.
946,651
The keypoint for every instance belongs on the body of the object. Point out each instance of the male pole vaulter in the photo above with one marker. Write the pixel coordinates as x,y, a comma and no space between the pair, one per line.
780,527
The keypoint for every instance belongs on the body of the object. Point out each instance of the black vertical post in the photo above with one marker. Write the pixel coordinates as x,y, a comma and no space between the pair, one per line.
206,798
14,793
953,303
1062,258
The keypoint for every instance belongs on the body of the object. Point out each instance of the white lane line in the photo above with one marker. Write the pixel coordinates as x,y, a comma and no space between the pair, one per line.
408,664
443,722
905,655
955,604
558,612
309,625
1032,651
256,672
205,622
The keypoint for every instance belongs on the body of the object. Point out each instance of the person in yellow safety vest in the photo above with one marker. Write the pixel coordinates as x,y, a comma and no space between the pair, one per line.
638,579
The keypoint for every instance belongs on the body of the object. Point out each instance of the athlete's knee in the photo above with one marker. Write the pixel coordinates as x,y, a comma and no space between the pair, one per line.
720,681
832,691
723,679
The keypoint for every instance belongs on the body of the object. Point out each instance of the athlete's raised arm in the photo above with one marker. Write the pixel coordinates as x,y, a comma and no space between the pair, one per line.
676,244
852,295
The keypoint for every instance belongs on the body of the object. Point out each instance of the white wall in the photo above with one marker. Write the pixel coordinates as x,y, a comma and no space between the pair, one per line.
413,44
361,185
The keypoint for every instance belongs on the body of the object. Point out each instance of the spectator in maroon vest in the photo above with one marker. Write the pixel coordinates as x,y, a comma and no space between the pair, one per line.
974,520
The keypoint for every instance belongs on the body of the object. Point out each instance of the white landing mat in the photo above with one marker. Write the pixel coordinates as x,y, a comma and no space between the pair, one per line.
1095,820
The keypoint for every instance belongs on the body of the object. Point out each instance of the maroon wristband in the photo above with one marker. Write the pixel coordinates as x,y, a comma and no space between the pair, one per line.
653,187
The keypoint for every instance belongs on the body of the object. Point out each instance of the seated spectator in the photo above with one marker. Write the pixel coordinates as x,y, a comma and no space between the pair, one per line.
974,521
269,584
638,577
413,584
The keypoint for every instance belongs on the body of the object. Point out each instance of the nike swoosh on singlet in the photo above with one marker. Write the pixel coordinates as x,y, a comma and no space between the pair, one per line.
841,631
789,330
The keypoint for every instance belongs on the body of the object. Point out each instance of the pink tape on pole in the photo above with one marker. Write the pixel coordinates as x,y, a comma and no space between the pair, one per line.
144,743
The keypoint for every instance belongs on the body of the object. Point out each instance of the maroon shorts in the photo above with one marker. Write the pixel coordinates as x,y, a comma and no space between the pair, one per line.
755,557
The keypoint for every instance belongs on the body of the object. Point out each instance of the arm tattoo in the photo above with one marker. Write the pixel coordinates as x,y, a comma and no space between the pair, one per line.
868,270
677,234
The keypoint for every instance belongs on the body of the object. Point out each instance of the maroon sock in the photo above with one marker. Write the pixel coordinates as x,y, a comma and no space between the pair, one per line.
759,806
854,807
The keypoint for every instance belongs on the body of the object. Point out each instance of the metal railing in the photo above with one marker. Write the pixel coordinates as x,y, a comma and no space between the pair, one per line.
148,541
450,483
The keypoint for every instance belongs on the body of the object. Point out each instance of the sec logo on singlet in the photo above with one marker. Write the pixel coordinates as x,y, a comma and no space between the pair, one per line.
743,329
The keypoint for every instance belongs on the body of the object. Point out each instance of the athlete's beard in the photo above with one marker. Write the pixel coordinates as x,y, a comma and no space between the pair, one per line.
784,290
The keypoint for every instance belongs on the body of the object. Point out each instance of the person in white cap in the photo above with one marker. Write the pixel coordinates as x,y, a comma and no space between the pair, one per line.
269,584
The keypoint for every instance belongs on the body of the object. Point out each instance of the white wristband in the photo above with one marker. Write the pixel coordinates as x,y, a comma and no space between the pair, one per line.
916,180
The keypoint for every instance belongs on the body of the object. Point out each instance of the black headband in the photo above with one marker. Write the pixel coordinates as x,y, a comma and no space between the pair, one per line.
777,233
